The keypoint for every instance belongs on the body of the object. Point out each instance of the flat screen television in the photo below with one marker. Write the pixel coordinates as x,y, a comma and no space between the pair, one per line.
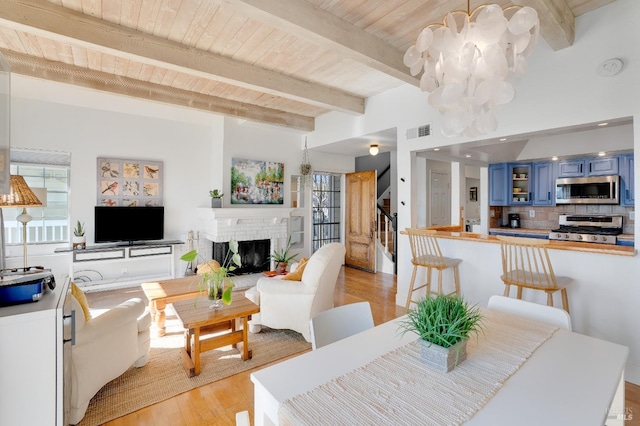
128,224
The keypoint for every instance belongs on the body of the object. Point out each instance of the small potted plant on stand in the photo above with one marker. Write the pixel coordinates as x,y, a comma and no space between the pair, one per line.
79,240
216,198
444,324
281,257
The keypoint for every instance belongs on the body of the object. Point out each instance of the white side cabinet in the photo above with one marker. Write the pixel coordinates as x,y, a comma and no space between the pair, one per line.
32,360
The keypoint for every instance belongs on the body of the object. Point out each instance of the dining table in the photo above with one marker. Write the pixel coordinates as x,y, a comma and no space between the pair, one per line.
517,371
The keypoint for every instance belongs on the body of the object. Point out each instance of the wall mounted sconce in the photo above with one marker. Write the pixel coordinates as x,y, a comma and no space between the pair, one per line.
374,149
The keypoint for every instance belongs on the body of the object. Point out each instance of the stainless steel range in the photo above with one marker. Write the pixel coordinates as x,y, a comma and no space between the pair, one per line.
588,228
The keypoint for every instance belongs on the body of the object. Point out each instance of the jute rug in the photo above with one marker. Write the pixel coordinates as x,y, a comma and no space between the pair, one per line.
164,376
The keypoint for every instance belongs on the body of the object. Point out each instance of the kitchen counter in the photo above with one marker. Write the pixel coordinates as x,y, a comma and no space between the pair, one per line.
541,233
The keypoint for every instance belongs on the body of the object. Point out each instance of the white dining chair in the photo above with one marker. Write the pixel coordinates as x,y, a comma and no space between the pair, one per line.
337,323
242,418
548,314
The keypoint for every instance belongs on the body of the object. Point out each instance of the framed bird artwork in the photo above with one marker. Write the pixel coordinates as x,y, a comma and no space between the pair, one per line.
129,183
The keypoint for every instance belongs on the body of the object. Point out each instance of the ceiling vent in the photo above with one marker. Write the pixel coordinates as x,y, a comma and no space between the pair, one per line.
419,132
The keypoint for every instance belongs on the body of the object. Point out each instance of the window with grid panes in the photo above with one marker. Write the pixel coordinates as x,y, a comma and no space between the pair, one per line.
326,209
50,224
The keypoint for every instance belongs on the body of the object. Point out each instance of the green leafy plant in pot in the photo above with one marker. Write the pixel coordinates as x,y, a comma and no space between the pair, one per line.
79,240
443,324
216,198
216,279
282,257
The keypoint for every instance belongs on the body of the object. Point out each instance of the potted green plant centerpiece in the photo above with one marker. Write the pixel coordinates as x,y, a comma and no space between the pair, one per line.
216,278
444,324
216,198
79,240
282,257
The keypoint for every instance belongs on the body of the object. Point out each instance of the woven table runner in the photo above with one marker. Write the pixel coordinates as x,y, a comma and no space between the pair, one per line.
397,388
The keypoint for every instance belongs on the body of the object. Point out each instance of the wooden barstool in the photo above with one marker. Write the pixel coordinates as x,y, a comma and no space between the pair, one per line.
426,253
526,264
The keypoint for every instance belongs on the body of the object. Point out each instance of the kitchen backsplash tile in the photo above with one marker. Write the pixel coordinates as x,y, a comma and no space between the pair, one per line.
547,217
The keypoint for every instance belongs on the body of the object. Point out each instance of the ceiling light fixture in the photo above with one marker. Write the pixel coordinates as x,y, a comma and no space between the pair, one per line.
602,154
554,158
503,139
373,149
467,72
602,124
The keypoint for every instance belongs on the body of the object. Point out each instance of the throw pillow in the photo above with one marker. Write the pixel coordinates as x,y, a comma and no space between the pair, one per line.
82,299
297,274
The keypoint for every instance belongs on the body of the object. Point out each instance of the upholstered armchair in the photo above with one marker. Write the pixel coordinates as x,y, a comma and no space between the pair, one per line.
106,346
287,304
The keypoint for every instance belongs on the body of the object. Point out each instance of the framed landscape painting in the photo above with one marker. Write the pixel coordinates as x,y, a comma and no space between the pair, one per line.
256,182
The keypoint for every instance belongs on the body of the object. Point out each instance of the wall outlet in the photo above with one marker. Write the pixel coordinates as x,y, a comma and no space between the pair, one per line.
492,213
532,213
124,271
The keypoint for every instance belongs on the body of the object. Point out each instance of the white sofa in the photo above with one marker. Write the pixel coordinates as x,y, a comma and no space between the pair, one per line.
290,305
105,347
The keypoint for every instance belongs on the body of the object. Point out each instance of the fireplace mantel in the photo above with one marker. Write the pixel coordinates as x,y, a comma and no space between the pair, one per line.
241,224
245,213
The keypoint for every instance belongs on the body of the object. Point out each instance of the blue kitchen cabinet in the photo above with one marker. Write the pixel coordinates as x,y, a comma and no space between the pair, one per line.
571,168
498,184
627,187
579,167
602,166
543,184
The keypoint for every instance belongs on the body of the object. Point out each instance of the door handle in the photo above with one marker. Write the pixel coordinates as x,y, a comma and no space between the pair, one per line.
73,327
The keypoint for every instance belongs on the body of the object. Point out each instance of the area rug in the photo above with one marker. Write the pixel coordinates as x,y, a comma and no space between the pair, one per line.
164,376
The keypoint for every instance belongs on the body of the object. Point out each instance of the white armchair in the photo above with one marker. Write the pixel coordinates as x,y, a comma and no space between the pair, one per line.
291,304
105,347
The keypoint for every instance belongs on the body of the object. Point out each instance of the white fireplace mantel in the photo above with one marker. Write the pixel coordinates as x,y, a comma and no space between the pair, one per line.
241,224
245,213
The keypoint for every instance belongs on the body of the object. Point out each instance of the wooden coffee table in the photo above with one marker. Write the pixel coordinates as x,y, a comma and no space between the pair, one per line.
160,293
199,321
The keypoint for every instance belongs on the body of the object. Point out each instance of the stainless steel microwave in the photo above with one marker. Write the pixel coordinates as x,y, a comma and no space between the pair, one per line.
588,190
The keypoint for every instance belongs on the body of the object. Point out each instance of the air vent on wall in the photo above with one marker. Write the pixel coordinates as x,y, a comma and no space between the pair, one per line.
418,132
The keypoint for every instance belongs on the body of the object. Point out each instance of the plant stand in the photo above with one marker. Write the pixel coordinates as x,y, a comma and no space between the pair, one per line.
443,359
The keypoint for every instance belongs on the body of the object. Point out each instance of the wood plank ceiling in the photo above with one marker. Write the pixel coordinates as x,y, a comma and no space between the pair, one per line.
282,62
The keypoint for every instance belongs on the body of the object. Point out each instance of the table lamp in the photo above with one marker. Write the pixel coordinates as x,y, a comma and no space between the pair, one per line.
20,196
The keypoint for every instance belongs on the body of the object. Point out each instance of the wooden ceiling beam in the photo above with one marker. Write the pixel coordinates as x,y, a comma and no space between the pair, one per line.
61,24
557,22
77,76
308,22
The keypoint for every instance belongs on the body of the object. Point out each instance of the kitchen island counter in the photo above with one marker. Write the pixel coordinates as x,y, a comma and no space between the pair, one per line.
538,233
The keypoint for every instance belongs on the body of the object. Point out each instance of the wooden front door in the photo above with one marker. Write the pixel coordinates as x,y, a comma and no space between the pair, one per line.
360,226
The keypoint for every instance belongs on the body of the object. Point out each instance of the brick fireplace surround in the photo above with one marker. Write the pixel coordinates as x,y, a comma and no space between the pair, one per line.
246,224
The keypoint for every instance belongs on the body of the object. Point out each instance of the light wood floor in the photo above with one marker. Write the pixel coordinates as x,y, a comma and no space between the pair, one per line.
218,402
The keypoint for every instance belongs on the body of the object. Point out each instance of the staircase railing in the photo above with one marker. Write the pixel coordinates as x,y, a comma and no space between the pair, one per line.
387,228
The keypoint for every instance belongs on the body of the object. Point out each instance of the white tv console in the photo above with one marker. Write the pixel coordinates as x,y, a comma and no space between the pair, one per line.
111,266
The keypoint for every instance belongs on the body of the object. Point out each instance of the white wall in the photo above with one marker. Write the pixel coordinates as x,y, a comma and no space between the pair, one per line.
561,89
195,147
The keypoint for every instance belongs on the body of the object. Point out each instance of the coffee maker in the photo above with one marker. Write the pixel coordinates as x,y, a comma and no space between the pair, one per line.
514,220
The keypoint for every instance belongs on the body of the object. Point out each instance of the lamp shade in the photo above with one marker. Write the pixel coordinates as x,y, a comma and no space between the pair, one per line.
21,195
373,149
